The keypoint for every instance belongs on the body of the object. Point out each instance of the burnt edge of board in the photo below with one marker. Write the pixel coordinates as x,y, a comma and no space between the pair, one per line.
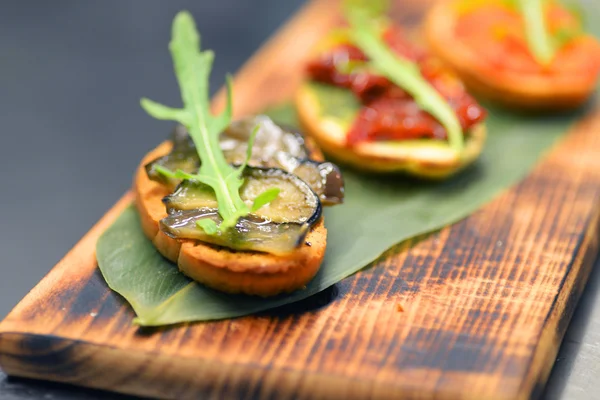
564,306
82,363
151,374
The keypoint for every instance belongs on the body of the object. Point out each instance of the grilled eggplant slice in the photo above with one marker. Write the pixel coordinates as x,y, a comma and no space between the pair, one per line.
182,157
274,147
277,228
248,272
324,178
270,143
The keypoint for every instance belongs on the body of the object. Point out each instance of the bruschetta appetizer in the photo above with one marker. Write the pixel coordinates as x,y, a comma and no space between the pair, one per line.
376,101
530,55
235,205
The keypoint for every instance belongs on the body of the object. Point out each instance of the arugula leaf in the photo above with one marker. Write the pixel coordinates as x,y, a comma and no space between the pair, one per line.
192,68
249,150
265,198
402,72
538,37
179,174
166,172
542,43
209,226
371,8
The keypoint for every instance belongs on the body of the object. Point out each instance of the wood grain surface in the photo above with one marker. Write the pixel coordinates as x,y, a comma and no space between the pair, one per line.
475,311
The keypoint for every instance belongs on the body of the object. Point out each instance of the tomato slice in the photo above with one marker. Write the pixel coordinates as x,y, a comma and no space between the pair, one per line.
389,113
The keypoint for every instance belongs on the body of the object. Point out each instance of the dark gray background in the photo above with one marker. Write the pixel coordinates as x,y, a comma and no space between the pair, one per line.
71,75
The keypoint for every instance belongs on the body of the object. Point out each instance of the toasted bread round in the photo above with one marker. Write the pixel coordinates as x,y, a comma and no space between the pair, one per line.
526,92
229,271
424,158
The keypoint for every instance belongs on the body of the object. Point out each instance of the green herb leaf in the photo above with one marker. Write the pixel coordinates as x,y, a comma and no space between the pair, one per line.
162,112
265,198
179,174
192,69
538,37
166,172
249,149
542,43
405,74
209,226
370,8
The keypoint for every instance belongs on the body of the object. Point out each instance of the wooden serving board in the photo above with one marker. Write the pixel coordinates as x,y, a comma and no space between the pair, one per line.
476,311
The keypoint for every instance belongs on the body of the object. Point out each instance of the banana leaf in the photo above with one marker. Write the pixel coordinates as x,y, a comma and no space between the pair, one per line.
377,213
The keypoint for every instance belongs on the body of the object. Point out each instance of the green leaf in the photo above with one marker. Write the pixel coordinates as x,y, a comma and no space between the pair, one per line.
166,172
370,8
208,225
265,198
192,69
377,214
179,174
249,149
538,36
406,75
160,111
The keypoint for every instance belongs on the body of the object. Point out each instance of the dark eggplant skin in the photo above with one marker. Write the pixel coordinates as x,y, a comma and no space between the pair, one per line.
183,156
273,232
250,233
330,186
293,155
